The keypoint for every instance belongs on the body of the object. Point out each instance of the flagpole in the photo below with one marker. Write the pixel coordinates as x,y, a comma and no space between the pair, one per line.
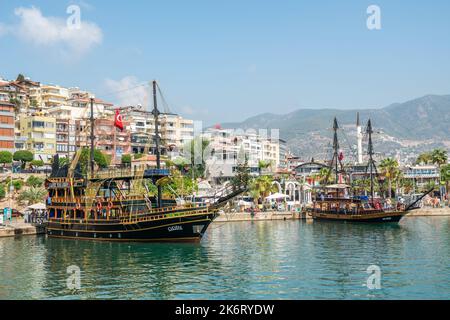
92,137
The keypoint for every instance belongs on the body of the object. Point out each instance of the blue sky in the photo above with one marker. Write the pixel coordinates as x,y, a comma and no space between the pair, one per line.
220,61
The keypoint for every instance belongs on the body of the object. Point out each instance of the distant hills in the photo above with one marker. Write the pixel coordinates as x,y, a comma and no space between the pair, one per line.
404,128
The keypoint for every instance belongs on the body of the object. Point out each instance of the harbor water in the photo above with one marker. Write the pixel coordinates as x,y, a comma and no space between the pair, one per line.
241,260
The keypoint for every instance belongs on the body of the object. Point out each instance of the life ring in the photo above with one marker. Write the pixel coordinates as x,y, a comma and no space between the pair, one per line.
110,205
99,205
78,205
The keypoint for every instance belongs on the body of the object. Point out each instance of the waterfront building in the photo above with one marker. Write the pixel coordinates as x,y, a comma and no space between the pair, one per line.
227,146
7,126
422,175
309,170
45,97
40,131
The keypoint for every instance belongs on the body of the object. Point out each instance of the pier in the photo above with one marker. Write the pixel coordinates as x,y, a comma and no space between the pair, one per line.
17,228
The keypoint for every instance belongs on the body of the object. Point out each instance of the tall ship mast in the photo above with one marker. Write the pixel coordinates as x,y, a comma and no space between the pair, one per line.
115,205
337,202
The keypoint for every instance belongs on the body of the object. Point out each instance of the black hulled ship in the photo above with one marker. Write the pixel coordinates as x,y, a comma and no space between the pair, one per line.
115,205
337,202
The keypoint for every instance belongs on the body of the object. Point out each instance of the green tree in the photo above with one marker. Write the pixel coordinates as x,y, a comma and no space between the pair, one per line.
126,159
2,191
23,156
407,185
390,169
31,196
37,163
260,187
263,165
102,160
6,157
424,158
445,177
242,175
439,157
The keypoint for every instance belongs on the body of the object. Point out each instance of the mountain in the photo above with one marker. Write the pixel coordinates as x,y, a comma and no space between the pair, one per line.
403,128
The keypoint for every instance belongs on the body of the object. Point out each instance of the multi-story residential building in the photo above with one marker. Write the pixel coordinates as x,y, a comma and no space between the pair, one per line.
14,93
422,175
174,130
7,126
227,148
108,138
44,97
283,154
40,131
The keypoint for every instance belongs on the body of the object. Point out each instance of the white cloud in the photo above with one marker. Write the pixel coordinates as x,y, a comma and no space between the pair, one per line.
43,31
191,111
129,91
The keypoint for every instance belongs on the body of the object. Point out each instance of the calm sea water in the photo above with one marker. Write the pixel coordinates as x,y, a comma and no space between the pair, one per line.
241,260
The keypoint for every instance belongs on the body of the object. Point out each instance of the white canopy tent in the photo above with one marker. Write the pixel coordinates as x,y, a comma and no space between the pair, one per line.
277,196
37,206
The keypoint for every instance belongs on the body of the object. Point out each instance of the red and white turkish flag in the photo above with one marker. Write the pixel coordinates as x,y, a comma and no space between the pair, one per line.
118,120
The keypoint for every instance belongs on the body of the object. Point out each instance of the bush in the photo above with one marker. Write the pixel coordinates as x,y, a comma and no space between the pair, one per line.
34,181
6,157
2,191
18,184
126,159
37,163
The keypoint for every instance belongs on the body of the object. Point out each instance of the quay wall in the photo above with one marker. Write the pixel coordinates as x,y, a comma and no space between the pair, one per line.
429,212
260,216
21,230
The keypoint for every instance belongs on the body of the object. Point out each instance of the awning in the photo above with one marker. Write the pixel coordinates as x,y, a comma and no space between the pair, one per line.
37,206
338,186
277,196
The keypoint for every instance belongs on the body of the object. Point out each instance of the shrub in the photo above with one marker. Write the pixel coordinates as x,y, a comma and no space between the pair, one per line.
34,181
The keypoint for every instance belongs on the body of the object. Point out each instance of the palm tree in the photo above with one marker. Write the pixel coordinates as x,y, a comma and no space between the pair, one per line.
445,177
424,158
407,185
324,176
31,196
389,168
263,165
439,157
261,187
361,186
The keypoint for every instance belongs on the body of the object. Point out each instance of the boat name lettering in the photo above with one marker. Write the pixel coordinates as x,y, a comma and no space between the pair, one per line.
175,228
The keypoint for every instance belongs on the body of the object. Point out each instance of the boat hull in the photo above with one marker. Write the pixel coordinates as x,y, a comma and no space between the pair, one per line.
367,218
188,228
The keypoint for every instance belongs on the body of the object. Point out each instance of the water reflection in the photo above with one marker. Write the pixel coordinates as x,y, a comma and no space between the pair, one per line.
248,260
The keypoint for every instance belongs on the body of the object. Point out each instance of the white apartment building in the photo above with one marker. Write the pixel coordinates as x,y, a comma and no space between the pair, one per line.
174,130
227,147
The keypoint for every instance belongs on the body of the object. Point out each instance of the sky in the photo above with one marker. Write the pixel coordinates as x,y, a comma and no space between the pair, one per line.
224,61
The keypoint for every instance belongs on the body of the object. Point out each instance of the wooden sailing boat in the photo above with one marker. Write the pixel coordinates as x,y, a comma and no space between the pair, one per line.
113,205
337,203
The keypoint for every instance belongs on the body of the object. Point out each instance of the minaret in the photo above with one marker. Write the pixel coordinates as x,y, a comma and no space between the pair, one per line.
359,135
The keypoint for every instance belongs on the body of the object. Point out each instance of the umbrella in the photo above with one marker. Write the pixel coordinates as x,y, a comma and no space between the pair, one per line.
37,206
338,186
277,196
